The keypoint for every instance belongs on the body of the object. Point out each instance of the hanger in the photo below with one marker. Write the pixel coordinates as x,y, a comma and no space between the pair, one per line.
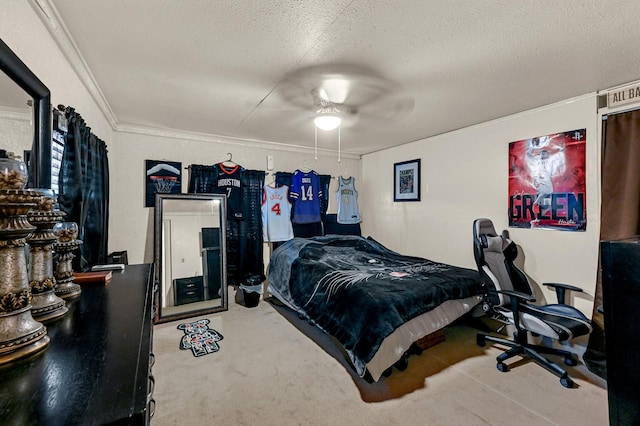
272,182
346,173
305,168
229,162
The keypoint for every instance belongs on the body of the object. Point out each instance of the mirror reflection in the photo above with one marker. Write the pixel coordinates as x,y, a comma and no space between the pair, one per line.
39,161
16,117
190,264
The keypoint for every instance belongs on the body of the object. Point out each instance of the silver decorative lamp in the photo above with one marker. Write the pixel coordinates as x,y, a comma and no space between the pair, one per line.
67,244
46,305
20,334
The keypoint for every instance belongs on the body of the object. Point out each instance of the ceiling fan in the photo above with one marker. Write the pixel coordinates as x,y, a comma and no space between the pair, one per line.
345,94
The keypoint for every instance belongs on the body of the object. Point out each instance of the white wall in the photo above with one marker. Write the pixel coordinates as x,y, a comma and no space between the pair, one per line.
16,132
131,224
464,173
464,177
23,31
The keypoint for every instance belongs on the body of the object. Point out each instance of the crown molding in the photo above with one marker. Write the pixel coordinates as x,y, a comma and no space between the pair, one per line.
226,140
51,19
60,34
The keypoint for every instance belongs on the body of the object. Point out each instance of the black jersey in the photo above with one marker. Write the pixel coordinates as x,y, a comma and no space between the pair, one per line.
229,182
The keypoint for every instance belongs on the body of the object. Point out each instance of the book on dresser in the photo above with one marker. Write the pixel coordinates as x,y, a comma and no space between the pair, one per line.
93,277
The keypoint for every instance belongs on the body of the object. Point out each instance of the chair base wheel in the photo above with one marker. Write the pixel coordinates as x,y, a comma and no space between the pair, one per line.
414,349
481,341
402,363
501,366
566,382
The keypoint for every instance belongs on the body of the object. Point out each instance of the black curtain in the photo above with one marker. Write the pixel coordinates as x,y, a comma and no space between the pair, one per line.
325,182
84,190
202,179
243,237
283,178
251,248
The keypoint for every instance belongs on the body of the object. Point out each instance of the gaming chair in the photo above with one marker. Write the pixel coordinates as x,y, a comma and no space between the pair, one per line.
509,296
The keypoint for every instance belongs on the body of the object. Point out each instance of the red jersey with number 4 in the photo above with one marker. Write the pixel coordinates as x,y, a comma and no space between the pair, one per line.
276,214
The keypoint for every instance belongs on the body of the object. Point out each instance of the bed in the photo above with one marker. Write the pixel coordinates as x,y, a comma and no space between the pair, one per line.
375,302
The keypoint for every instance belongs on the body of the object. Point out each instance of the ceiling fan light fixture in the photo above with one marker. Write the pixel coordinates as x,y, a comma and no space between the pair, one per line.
327,122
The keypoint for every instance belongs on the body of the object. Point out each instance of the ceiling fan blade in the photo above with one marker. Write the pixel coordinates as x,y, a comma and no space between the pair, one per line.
388,108
364,90
295,94
338,82
357,92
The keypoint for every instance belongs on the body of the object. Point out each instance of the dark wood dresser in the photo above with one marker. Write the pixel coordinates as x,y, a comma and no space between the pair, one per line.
97,368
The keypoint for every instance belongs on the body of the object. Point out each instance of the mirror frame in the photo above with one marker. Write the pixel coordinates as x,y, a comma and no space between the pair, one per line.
158,243
40,161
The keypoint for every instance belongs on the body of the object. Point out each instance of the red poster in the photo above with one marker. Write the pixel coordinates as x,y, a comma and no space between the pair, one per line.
547,186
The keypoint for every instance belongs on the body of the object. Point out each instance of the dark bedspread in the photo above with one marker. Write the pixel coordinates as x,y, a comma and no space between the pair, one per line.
359,291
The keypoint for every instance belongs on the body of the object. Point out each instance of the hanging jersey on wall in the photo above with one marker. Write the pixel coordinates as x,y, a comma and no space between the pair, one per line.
348,212
276,214
305,194
229,182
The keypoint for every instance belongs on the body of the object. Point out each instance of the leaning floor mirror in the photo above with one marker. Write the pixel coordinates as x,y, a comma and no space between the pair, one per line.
189,255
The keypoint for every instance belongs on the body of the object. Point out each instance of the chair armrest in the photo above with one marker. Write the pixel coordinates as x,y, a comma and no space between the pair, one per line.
517,300
518,295
560,290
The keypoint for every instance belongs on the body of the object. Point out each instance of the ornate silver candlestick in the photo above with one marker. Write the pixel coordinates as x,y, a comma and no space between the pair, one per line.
46,305
20,334
66,232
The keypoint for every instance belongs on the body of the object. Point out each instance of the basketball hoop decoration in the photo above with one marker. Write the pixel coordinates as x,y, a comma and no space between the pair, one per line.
162,177
163,184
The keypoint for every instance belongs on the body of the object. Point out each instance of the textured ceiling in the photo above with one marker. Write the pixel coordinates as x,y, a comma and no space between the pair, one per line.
224,67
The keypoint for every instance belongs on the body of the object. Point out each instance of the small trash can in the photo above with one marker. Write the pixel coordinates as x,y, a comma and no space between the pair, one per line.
251,290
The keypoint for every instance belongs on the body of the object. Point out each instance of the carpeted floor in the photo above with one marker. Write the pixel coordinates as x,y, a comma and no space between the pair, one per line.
275,369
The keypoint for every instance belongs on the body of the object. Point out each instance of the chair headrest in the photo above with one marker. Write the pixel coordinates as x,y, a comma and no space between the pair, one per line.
484,226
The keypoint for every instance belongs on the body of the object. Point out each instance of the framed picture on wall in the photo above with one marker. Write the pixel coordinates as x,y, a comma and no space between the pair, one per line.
162,177
547,182
406,181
